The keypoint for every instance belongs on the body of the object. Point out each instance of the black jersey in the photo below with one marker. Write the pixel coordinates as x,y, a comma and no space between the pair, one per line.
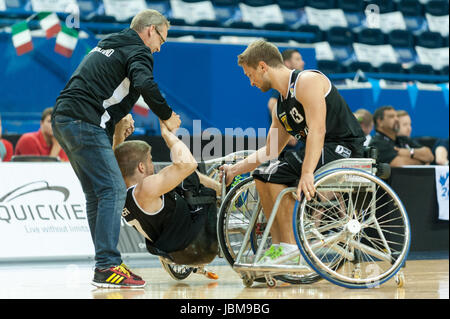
109,81
341,125
177,223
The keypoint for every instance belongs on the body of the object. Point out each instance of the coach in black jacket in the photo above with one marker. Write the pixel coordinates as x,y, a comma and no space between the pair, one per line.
102,90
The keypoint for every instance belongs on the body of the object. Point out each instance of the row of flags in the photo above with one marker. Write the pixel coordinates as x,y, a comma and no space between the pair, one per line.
66,38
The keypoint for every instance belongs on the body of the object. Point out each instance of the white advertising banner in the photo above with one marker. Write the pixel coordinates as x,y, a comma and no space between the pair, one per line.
53,5
260,16
42,212
437,58
375,54
192,12
326,19
124,9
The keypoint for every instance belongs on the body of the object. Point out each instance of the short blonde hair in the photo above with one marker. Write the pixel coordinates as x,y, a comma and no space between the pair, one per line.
401,113
129,154
148,17
260,50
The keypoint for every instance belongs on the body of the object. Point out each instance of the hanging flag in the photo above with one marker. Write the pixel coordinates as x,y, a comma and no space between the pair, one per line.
140,107
66,41
21,37
49,22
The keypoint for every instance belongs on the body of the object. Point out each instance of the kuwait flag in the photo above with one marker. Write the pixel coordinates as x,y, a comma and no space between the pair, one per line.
21,37
50,23
66,41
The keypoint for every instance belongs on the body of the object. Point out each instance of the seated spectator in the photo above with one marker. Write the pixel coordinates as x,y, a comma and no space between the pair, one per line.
404,120
42,142
6,148
393,149
441,151
365,119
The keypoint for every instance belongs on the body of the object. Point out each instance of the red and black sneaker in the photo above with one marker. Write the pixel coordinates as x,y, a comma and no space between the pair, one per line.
131,273
116,277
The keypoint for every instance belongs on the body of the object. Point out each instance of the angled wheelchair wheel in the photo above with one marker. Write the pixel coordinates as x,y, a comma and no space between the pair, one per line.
355,232
177,272
234,218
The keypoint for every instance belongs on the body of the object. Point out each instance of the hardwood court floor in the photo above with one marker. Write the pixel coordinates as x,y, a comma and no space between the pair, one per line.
425,279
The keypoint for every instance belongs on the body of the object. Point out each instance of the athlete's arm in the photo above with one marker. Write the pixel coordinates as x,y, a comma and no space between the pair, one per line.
310,92
183,165
276,141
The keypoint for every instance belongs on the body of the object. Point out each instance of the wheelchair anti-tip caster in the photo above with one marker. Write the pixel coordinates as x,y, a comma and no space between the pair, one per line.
206,273
271,282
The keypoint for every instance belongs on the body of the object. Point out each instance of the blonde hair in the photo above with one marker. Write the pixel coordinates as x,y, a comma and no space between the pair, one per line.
260,50
148,17
129,154
401,113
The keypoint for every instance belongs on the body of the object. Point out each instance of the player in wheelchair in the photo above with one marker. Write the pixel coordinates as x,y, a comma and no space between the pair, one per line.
175,209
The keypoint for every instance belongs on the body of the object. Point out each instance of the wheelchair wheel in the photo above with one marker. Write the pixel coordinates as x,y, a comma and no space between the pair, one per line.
177,272
355,231
233,221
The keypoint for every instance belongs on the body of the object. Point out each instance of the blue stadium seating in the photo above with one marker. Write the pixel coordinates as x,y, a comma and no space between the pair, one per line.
241,25
410,8
258,3
437,7
225,10
339,36
321,4
430,39
357,65
330,66
318,34
384,5
290,4
370,36
421,69
351,5
444,70
391,68
403,43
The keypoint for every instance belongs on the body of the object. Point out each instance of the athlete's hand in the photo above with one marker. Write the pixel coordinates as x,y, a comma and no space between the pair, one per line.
226,169
306,186
173,123
125,127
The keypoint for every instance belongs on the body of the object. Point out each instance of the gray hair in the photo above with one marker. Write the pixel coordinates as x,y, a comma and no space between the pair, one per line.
146,18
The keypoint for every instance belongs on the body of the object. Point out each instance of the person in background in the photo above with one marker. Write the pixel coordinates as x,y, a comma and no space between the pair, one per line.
293,60
6,147
393,149
365,119
404,120
441,151
41,142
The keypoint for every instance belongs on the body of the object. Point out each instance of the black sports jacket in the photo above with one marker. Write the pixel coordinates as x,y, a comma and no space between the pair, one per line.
109,80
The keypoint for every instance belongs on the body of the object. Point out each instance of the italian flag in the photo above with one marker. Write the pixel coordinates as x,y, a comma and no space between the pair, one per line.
21,37
66,41
50,23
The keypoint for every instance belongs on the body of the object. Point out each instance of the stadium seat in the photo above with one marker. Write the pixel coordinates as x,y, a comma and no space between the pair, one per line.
410,8
401,38
391,68
370,36
290,4
330,66
225,10
318,34
421,69
258,3
241,25
276,26
321,4
384,5
351,5
363,66
444,70
177,21
437,7
339,36
430,39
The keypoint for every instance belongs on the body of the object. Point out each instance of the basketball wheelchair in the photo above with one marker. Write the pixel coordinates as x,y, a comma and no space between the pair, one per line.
180,271
354,232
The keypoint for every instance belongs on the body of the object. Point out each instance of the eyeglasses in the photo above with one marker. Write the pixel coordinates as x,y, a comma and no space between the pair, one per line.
162,40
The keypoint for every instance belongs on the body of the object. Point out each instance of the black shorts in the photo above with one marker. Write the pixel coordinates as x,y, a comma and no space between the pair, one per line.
287,168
